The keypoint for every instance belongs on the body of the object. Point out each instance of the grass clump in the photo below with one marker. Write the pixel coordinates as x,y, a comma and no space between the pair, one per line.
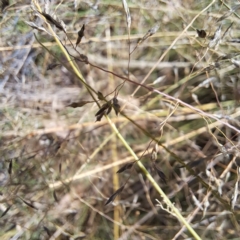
119,120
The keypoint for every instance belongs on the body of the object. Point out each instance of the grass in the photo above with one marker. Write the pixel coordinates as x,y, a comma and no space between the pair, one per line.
179,108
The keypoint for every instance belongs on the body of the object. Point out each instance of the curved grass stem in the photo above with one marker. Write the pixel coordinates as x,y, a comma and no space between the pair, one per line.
74,69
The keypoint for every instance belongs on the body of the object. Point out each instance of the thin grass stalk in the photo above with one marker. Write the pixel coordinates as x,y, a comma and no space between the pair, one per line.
116,185
141,166
154,183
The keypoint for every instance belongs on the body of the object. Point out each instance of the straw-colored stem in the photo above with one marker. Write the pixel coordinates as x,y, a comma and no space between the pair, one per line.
170,205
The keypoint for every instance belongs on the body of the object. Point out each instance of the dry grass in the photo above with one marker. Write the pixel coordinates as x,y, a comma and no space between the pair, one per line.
181,93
